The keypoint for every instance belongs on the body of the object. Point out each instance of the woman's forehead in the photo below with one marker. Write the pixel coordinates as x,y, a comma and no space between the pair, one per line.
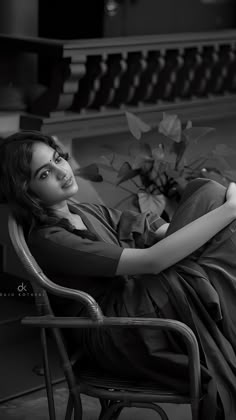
41,154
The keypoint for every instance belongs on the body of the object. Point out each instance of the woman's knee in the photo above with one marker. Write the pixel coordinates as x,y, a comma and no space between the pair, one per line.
211,192
200,196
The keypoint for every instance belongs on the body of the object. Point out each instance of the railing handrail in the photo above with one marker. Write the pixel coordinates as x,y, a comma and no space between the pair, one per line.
135,42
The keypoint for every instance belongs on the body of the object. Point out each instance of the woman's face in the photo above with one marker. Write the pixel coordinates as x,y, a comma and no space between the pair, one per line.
52,179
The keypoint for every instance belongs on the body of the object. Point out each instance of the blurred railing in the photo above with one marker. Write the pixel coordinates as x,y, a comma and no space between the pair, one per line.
96,80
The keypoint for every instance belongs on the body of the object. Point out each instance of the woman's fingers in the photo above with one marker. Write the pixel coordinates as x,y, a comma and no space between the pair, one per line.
231,195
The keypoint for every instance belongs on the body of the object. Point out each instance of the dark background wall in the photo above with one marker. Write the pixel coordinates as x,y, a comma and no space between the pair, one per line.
171,16
98,18
70,19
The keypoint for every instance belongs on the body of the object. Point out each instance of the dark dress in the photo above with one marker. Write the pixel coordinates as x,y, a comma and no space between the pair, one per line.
200,291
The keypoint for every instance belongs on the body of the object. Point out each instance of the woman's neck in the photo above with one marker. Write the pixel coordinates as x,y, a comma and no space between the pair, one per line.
63,211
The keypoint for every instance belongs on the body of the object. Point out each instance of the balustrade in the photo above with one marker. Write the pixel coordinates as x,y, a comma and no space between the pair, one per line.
147,74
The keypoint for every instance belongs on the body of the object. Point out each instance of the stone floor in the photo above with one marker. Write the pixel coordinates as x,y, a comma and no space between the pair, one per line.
34,406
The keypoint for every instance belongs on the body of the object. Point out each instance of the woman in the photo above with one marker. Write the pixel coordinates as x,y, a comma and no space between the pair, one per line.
134,266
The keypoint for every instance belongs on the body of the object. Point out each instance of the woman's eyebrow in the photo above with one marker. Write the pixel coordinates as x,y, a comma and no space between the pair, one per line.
43,166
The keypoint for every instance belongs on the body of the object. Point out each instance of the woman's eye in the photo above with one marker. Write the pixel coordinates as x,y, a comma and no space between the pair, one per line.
44,174
58,159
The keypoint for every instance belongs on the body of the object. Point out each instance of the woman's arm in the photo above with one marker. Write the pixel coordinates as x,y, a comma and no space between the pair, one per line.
180,244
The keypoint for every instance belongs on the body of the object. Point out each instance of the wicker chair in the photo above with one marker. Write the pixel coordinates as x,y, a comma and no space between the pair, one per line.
112,393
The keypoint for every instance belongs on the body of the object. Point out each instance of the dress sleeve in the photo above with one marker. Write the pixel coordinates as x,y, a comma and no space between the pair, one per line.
58,250
134,229
138,229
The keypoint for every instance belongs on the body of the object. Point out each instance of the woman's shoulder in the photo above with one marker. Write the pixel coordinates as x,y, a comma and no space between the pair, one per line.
44,231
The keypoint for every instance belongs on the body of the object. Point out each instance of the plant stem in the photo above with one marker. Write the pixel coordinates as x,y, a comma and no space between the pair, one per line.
200,159
135,183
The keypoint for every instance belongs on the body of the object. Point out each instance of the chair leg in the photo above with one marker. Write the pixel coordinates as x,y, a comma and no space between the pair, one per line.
195,411
105,404
104,407
116,414
73,407
111,411
48,381
77,404
69,408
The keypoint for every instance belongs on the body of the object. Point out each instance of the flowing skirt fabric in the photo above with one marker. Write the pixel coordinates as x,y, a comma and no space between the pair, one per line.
199,291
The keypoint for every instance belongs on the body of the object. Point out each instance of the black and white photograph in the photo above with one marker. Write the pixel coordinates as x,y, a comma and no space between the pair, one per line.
117,209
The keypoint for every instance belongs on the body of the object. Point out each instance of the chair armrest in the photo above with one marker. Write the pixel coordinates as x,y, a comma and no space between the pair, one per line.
166,324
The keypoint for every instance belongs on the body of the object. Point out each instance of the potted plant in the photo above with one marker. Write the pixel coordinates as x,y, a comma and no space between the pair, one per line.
161,173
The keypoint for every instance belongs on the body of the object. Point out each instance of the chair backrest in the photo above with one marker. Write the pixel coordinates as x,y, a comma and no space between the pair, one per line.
40,282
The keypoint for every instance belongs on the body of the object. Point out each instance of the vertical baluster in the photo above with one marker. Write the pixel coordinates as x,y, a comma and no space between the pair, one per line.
76,70
120,66
159,78
213,70
186,74
140,80
130,79
176,75
230,79
89,85
165,88
198,82
217,79
225,58
110,81
139,65
150,77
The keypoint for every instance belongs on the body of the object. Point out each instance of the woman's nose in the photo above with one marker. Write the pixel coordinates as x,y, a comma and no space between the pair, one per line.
60,173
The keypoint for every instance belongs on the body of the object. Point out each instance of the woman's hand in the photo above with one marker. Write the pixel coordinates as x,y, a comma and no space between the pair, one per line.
231,197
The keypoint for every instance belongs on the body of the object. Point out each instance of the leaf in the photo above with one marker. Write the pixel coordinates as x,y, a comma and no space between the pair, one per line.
181,182
189,125
170,158
150,202
217,160
215,176
158,153
193,134
136,125
140,149
170,126
223,150
106,160
142,162
179,150
163,166
230,174
126,172
90,172
172,173
106,164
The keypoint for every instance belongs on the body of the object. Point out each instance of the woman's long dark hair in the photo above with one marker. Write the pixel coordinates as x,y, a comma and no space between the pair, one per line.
15,175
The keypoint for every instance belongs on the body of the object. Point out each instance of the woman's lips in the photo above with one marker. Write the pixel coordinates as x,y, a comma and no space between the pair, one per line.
68,183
